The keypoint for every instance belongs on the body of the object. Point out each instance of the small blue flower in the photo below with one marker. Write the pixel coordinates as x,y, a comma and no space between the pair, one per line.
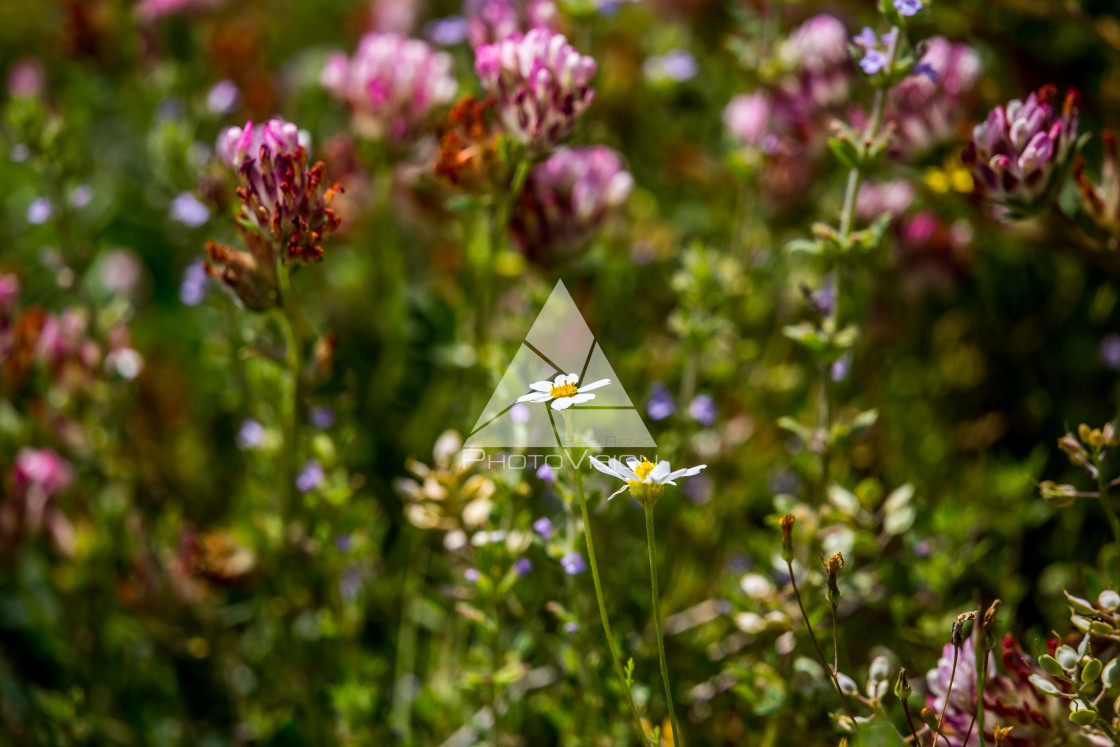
472,575
311,477
523,566
571,627
543,527
322,417
186,209
39,211
192,289
908,7
573,564
873,61
926,69
546,474
250,435
866,39
661,404
703,409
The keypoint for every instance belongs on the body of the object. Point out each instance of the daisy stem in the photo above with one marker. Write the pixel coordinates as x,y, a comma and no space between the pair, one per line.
657,624
602,604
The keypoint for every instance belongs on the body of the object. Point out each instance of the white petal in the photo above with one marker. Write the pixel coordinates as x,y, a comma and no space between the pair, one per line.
594,385
684,473
578,398
604,468
623,489
659,473
535,397
632,463
563,379
625,472
541,386
562,403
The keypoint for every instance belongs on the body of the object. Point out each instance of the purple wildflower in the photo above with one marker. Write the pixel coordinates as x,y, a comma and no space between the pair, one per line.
446,32
81,196
546,475
660,404
908,7
491,21
310,477
523,566
192,288
188,210
472,575
703,409
250,435
573,564
39,211
675,66
223,97
873,61
1110,351
543,527
322,417
567,199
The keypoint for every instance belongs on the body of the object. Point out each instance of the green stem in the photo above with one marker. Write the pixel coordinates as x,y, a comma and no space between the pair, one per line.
292,454
1102,488
602,604
817,645
657,624
949,692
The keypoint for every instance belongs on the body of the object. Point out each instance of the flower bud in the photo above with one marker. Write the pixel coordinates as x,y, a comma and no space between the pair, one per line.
902,689
880,669
786,523
832,567
1073,449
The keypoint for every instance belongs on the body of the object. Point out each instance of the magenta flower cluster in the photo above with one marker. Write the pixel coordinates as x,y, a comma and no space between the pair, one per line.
1018,151
568,198
540,83
391,84
927,108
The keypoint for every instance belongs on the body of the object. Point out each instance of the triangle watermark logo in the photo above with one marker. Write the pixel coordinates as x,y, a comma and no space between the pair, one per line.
558,358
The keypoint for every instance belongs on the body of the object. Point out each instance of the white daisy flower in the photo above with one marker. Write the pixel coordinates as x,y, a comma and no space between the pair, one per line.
562,391
645,480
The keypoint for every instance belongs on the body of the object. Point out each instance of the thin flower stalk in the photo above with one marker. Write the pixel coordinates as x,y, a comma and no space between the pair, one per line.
602,603
817,645
654,595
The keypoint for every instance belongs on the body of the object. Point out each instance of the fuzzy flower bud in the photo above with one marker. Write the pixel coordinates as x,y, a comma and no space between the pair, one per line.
391,84
540,83
568,197
832,567
786,524
1017,153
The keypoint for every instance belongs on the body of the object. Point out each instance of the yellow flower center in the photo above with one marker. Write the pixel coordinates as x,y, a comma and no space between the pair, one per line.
643,469
563,390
